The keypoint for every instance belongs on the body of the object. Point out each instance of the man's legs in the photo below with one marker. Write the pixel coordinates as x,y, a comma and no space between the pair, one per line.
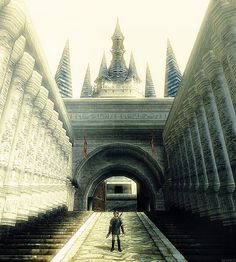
119,244
113,243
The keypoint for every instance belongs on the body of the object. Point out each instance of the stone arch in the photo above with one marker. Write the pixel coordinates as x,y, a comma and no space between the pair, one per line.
132,160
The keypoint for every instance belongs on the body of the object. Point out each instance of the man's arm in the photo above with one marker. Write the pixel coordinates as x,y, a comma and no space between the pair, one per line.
109,230
122,229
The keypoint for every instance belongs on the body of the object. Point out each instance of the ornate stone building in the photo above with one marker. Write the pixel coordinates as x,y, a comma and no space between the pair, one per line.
180,151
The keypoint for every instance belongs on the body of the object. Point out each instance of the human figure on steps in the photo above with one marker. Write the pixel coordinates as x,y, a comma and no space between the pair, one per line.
116,225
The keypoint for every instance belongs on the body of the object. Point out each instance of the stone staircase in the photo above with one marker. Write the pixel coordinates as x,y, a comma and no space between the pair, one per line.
41,240
198,239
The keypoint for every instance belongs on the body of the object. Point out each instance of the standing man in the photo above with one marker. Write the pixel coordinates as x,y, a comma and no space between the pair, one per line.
114,229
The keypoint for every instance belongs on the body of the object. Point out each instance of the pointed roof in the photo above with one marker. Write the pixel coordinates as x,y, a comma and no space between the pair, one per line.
117,70
63,73
103,69
117,31
173,75
87,90
149,87
132,71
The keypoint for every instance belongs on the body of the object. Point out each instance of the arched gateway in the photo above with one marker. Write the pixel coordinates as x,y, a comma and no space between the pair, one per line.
115,159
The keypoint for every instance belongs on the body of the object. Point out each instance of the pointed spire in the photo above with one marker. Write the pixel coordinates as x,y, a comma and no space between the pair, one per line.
117,31
63,73
132,72
103,69
117,70
149,87
173,75
87,90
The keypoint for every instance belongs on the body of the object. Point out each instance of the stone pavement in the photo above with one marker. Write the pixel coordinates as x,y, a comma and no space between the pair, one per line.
137,243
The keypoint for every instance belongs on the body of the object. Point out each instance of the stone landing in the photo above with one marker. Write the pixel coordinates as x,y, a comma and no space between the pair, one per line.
142,242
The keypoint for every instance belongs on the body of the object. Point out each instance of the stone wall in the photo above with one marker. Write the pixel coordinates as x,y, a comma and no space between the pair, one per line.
200,133
35,148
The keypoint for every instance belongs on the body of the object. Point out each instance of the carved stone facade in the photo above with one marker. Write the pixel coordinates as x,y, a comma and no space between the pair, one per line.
123,129
200,132
35,151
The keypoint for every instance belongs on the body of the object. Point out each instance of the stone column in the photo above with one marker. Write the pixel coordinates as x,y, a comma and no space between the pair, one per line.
8,135
210,160
184,161
194,181
35,141
22,144
218,142
16,54
200,163
177,166
187,182
50,161
174,171
224,41
42,156
12,22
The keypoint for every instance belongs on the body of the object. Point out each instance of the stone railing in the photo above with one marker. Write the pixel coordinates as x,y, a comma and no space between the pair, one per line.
35,133
200,133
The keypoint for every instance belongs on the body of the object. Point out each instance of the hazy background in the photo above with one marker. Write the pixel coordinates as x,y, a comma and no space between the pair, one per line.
89,25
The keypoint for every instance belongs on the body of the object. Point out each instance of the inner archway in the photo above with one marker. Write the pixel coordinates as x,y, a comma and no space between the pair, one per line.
116,160
122,193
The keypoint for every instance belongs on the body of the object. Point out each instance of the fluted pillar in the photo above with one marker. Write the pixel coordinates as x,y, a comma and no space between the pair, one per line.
12,22
216,129
187,180
8,134
22,145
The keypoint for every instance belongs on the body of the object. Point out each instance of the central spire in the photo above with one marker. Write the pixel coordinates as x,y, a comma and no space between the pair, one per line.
117,70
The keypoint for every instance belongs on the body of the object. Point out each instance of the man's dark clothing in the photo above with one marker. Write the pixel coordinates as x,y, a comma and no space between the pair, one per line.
115,224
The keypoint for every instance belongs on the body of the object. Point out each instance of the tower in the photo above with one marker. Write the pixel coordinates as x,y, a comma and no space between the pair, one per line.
117,71
63,73
117,80
173,75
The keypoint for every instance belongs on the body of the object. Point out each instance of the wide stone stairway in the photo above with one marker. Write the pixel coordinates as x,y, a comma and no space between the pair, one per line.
81,236
40,240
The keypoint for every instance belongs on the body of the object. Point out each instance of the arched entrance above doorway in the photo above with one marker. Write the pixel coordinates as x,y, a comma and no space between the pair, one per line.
107,161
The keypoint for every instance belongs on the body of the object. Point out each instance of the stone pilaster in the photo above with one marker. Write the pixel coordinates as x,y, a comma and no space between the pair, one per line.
8,135
16,54
12,22
218,142
187,182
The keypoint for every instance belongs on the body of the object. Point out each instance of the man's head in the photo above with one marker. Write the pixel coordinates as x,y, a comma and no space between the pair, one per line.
116,213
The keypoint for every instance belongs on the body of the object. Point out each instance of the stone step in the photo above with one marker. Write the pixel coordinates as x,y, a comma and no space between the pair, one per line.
26,251
30,258
33,241
30,246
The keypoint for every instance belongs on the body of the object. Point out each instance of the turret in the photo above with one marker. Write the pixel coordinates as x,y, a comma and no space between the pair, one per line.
103,70
132,71
149,87
87,90
63,73
173,75
117,70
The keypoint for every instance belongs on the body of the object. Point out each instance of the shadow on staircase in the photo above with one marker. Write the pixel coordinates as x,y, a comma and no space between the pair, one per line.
41,238
197,238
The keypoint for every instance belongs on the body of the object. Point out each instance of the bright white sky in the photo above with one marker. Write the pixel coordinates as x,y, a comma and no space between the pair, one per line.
89,25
